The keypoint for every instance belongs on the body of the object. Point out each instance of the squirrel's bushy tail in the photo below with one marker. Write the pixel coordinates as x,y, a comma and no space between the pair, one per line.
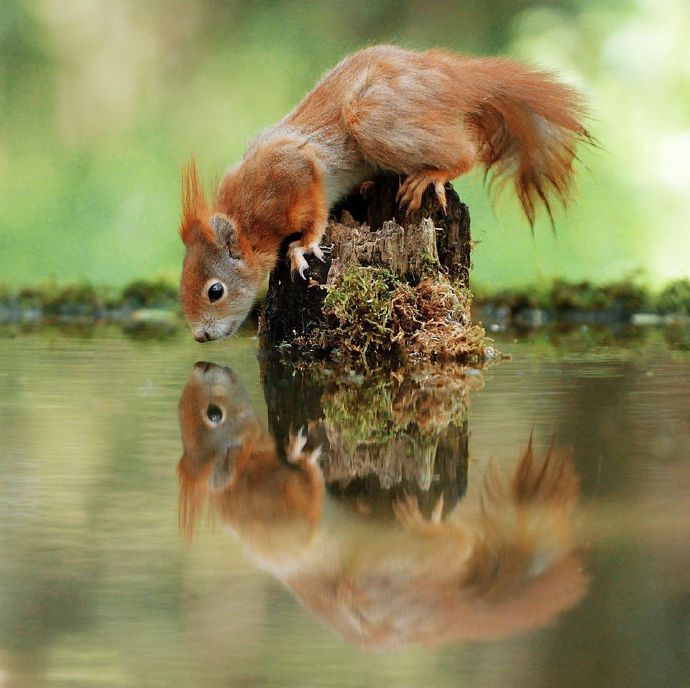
527,125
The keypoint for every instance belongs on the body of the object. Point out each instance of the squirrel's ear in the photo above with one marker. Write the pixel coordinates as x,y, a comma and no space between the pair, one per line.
194,222
225,234
223,470
191,497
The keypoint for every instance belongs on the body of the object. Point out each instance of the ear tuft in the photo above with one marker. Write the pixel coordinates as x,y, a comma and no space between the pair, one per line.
194,222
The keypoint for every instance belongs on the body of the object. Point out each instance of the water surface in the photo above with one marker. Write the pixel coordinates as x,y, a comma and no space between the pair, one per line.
353,567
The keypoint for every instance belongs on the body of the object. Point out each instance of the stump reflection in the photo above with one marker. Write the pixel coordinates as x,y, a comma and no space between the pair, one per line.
382,436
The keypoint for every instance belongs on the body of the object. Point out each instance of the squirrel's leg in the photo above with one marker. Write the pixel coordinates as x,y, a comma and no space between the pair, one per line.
296,252
408,514
310,213
295,449
413,186
306,245
431,144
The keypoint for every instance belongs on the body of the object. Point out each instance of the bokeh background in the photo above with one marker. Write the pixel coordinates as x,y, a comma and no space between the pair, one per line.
103,101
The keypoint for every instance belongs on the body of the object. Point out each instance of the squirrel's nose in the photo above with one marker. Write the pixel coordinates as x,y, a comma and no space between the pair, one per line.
202,336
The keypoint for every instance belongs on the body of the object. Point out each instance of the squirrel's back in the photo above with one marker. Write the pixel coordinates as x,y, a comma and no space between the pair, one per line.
394,109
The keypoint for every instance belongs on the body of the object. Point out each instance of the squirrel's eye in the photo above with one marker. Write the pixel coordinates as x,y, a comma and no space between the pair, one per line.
214,413
215,291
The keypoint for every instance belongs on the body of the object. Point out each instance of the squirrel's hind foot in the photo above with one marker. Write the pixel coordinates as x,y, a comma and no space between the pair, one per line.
413,187
409,515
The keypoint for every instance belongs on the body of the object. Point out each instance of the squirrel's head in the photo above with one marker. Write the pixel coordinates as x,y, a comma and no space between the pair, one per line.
231,463
214,413
220,274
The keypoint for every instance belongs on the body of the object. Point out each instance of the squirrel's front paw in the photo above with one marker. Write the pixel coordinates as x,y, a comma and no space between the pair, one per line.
296,253
295,449
317,251
297,260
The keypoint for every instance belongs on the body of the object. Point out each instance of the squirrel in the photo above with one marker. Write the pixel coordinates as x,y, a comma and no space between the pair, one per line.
428,116
503,560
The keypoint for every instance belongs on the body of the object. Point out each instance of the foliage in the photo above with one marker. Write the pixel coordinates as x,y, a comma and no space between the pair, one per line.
72,300
675,298
94,130
620,298
584,296
159,293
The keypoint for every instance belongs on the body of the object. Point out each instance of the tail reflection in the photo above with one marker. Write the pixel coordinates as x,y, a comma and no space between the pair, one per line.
502,559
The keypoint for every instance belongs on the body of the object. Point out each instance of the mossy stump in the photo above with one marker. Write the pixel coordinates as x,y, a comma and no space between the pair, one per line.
390,283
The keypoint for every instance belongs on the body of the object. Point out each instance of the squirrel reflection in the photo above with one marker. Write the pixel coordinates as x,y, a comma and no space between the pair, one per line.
501,561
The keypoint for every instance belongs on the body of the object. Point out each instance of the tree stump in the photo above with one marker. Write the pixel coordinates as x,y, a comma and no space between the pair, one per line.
369,229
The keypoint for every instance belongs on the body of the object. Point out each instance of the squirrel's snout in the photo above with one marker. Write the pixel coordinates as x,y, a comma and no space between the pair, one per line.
210,332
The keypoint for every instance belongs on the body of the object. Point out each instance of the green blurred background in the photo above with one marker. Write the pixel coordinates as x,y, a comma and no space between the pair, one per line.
102,102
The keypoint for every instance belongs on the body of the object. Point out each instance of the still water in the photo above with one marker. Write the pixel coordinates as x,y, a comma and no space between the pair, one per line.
168,522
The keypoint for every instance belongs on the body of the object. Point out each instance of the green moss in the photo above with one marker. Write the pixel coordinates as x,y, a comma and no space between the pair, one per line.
399,401
362,414
428,265
372,314
358,310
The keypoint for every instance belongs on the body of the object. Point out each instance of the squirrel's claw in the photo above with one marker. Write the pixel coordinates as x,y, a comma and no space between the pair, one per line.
413,187
296,445
366,187
406,510
314,456
440,189
437,512
296,253
317,251
411,191
295,449
409,515
297,260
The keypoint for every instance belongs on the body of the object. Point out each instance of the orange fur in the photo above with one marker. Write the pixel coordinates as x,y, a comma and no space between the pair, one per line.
234,467
430,116
195,211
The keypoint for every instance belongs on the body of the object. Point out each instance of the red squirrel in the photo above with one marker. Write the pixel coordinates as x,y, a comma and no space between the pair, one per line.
427,116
